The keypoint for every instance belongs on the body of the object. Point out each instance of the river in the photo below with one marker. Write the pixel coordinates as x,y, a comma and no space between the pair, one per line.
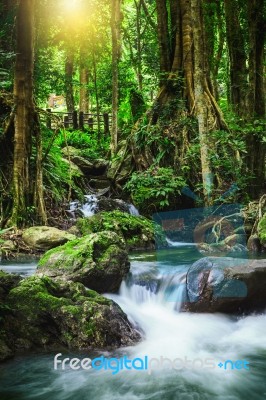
186,348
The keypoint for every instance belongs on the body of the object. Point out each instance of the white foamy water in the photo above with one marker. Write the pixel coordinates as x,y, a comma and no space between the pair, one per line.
215,337
178,244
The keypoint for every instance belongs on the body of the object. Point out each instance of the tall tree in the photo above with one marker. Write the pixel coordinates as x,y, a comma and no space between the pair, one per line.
237,57
116,51
84,83
163,39
202,102
69,71
24,105
257,25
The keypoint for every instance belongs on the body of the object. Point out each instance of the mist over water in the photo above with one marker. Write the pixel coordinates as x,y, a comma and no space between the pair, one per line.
151,296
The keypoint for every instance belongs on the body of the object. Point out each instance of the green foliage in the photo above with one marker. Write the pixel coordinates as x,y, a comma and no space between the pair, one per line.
91,147
58,176
262,230
155,188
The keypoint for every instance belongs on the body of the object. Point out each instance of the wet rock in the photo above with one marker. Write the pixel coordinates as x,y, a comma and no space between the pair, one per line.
227,285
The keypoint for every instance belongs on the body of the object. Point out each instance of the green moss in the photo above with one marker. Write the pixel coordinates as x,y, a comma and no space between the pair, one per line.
35,295
92,248
262,230
136,230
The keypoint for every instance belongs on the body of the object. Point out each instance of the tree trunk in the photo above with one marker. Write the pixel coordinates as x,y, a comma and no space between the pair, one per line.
84,90
201,98
256,94
116,50
138,39
24,105
163,39
237,56
69,71
95,82
256,58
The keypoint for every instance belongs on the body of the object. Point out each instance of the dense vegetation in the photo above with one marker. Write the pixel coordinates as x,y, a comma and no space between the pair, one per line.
183,82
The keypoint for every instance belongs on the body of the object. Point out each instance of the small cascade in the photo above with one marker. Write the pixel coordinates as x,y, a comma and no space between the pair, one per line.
91,206
167,289
172,243
133,210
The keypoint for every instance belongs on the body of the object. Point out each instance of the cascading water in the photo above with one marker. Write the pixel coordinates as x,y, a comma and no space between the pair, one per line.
133,210
172,243
90,206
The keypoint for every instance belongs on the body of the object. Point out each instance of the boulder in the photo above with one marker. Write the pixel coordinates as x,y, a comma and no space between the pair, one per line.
98,260
70,151
107,204
100,182
45,237
227,285
92,167
75,170
138,232
254,244
7,282
46,314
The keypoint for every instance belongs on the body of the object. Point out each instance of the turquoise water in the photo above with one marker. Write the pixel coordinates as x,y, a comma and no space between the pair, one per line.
167,333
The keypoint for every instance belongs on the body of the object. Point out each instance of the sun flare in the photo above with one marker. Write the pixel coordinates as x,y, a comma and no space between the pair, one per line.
71,5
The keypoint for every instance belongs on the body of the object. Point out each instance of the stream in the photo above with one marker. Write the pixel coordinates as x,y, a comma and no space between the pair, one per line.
186,348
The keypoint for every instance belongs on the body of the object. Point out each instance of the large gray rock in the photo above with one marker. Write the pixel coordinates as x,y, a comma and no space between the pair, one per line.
45,237
107,204
41,313
227,285
92,167
98,260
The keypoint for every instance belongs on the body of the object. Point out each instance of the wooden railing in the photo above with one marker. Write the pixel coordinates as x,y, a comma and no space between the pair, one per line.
80,120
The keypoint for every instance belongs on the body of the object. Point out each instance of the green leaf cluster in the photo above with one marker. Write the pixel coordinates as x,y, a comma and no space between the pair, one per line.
154,189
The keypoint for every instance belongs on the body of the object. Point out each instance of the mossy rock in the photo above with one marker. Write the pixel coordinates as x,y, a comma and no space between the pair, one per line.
46,313
138,232
262,230
45,237
7,282
98,260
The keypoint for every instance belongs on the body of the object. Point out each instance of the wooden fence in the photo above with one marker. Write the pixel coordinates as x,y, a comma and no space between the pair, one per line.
80,120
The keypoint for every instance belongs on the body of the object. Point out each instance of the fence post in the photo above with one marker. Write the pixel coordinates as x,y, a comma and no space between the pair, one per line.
81,120
48,119
66,121
90,123
75,119
106,123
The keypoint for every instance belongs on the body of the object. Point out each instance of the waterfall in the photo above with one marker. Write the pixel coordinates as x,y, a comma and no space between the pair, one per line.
133,210
90,206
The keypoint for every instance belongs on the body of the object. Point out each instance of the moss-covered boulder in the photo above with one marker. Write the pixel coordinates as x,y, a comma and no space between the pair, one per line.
98,260
137,231
45,237
45,313
262,230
